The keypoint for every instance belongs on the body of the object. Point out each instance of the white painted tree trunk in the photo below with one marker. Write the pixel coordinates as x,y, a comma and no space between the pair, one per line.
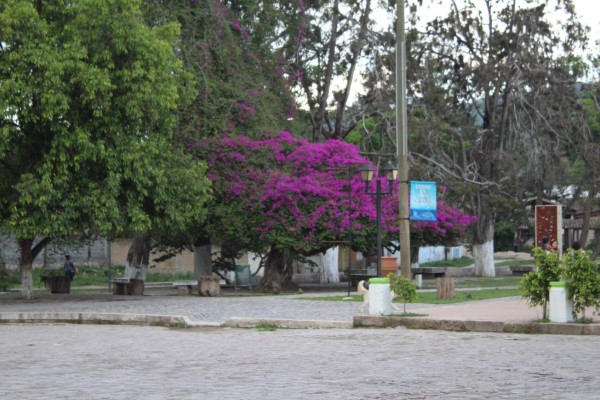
202,260
484,259
27,283
329,266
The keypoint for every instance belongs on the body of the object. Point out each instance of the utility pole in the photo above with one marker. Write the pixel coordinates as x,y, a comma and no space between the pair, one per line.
402,139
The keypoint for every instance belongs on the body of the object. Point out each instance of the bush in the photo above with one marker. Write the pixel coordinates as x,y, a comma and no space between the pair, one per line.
583,280
403,288
8,279
535,285
504,236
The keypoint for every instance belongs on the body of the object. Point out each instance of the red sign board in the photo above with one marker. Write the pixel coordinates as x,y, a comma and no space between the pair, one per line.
548,224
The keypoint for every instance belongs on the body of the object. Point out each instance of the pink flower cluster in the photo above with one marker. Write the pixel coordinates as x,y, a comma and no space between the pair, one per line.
305,192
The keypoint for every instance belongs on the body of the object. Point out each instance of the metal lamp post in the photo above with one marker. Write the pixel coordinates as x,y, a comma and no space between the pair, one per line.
366,174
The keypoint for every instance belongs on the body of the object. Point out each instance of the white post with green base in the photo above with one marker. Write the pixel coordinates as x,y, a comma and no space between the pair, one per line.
561,307
380,297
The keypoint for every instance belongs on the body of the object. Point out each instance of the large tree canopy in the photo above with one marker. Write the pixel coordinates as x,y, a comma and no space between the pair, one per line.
88,96
285,196
494,90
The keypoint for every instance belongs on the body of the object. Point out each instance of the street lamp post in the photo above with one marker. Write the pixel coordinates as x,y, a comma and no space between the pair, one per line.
366,174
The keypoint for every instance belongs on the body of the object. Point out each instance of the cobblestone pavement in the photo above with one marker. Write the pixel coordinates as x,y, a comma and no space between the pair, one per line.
209,309
129,362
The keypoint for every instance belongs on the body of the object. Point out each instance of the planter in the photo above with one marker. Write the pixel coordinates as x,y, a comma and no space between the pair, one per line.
389,264
209,286
58,284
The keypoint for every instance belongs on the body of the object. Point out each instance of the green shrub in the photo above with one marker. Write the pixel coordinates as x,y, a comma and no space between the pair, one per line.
504,236
583,281
8,278
403,288
535,286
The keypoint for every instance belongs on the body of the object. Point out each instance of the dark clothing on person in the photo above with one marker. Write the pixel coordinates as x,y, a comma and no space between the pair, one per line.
69,269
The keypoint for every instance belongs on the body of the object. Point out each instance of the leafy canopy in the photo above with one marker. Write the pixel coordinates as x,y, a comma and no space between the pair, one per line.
283,192
88,96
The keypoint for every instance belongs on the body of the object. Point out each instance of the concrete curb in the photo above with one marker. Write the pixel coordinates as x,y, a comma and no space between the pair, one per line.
372,321
95,318
162,320
287,323
359,321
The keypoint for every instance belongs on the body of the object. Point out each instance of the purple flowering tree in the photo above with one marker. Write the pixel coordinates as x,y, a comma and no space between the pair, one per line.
448,230
284,197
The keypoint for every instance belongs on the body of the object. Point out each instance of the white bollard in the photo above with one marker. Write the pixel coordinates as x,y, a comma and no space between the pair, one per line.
561,308
419,280
380,298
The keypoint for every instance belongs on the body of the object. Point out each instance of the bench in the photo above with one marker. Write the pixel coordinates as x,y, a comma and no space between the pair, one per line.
429,272
185,287
520,270
131,283
357,275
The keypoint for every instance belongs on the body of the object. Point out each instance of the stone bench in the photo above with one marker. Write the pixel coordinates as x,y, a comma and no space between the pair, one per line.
429,272
131,283
520,270
184,288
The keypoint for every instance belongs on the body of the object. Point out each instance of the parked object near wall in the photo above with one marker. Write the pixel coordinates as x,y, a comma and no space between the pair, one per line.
389,265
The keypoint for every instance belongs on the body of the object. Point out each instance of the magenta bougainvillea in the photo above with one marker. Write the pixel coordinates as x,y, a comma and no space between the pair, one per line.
284,192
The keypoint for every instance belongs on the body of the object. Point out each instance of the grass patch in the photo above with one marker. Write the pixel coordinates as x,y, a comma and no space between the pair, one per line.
457,263
410,314
464,296
469,283
266,327
98,276
513,262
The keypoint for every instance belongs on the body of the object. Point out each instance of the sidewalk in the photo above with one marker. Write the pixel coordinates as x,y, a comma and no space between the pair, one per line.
285,311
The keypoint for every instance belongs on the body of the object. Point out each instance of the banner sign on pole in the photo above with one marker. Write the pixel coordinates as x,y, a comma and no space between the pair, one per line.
423,201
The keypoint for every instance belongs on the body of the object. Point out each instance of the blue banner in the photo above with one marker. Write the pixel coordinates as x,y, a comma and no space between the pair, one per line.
423,201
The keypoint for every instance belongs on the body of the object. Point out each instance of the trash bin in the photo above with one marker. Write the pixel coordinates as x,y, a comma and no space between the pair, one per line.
561,308
380,298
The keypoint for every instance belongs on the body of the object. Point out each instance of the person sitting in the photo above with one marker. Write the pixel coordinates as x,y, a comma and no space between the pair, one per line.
552,246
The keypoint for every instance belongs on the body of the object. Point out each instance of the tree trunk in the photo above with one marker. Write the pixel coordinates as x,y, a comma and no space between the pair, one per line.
26,267
329,263
445,288
278,272
138,255
483,247
202,258
587,212
414,256
484,259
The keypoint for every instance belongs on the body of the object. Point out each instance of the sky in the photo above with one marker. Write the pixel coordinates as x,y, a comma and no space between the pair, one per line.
586,9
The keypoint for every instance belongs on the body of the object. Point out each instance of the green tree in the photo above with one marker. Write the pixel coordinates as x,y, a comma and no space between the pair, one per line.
583,280
535,286
403,288
486,87
88,100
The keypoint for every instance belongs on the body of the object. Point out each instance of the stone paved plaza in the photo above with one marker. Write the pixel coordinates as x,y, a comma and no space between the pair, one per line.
127,362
